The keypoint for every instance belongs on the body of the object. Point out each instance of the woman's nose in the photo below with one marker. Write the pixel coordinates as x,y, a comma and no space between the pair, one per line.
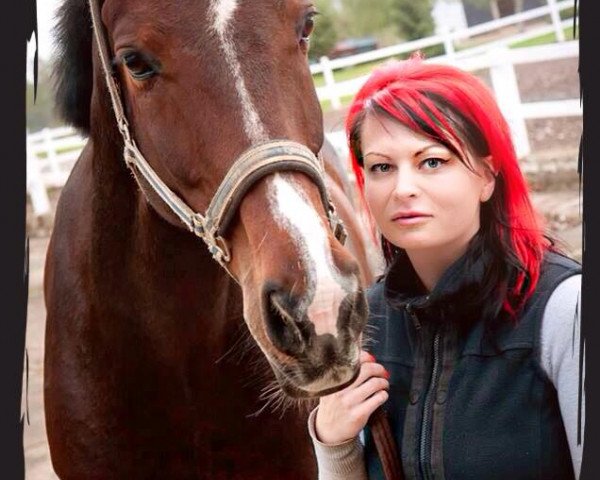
406,184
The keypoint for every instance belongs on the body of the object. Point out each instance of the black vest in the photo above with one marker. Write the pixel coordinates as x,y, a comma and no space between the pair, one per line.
461,407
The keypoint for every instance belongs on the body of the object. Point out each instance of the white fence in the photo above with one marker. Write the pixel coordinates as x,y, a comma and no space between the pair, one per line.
51,154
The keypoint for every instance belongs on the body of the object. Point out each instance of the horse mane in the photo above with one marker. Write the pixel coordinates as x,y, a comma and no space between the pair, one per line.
73,70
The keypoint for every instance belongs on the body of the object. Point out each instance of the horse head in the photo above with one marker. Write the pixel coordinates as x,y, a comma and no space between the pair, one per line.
202,82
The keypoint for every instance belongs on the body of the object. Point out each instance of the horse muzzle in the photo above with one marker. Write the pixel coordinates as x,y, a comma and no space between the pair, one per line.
314,363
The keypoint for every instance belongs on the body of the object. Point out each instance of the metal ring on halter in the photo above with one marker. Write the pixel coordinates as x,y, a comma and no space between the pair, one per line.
220,252
216,245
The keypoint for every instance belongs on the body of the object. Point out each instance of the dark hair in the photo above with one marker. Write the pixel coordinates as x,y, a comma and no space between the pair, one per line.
457,110
73,71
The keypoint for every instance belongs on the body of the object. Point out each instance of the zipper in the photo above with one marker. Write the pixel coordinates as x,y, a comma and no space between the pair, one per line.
413,316
426,433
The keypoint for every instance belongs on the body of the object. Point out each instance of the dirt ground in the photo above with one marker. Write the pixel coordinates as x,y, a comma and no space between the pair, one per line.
37,455
556,194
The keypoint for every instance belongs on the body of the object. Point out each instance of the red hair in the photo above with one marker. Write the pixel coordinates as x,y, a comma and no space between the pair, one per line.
456,109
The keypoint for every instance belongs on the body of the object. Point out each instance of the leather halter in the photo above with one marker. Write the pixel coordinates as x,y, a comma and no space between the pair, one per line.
254,164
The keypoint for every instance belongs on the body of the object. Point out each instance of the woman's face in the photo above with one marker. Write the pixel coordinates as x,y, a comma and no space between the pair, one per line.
421,195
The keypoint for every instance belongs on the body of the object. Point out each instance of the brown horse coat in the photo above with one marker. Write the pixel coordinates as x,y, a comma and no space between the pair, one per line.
153,367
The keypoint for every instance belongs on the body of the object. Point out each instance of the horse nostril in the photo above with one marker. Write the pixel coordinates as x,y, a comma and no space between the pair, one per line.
287,331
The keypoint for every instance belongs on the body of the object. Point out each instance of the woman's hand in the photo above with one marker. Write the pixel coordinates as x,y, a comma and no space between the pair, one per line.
342,415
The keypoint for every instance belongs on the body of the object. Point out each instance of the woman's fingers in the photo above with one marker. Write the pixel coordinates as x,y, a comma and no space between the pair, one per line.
371,386
343,414
366,408
369,369
366,357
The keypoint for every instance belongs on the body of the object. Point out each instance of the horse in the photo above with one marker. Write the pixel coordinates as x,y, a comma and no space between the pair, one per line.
164,356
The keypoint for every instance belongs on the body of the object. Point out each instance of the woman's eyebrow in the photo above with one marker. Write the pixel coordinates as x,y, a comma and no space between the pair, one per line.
429,147
416,154
376,153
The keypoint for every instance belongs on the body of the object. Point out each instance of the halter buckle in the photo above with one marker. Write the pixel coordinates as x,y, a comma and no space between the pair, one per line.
197,225
123,126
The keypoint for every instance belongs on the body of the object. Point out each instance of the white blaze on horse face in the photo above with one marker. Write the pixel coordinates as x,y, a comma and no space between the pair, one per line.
326,286
222,12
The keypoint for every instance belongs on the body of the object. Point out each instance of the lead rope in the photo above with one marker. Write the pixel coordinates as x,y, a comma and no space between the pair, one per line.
385,445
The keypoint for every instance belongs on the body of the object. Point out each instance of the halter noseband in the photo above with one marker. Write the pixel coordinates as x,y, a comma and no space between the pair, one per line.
254,164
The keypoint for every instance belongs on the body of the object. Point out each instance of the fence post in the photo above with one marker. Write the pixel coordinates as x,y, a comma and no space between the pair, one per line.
330,83
495,10
507,94
448,43
556,22
52,156
35,185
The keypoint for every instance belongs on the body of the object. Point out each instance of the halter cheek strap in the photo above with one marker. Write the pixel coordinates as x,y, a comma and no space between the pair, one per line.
254,164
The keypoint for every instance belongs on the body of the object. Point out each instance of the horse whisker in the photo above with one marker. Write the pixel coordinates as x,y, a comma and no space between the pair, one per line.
260,244
241,338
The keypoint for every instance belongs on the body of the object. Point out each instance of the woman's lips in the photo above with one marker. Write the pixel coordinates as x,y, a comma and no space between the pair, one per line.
410,219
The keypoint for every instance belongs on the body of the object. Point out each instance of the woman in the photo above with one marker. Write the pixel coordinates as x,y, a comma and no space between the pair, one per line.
474,327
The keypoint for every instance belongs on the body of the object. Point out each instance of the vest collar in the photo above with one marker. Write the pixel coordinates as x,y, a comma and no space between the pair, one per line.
403,286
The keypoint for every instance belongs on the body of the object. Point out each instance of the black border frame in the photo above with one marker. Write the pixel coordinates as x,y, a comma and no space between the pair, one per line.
21,24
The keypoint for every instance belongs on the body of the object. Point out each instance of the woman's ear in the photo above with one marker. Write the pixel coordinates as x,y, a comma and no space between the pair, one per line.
489,177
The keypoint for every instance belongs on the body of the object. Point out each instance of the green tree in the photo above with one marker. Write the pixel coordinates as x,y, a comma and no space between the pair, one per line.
325,35
360,18
413,18
41,114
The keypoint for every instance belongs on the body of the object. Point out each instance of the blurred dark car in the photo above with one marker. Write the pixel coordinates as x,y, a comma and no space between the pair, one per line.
352,46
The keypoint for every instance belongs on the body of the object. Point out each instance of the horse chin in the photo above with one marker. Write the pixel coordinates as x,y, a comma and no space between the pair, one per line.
296,391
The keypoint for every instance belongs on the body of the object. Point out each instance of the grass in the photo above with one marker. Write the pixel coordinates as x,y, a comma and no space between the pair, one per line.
348,73
345,101
542,39
43,155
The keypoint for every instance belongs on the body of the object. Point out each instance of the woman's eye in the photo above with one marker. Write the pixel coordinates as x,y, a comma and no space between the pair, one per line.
433,163
381,167
308,27
139,67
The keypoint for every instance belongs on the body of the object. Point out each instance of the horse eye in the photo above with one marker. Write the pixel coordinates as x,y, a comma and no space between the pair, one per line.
139,67
308,27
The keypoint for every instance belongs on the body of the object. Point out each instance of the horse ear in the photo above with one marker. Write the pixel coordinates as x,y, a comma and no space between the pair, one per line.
73,72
